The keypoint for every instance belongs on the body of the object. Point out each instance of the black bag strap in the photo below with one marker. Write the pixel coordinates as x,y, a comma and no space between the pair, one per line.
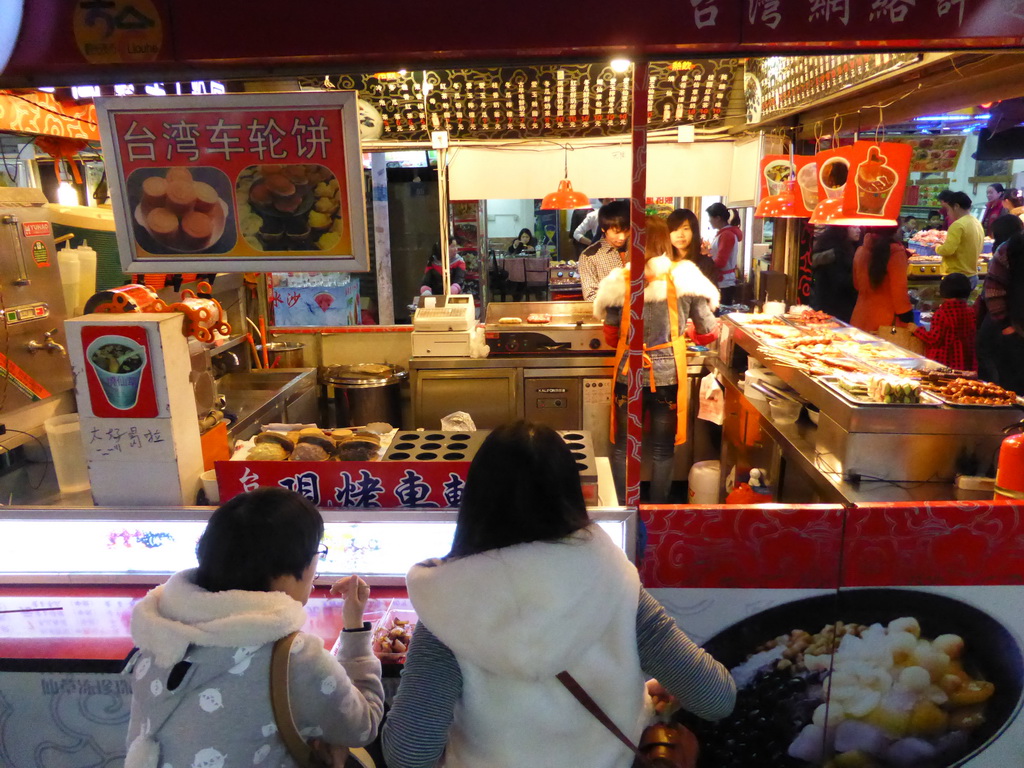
593,708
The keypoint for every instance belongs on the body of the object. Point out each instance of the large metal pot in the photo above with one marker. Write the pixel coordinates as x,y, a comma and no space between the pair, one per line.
366,393
283,354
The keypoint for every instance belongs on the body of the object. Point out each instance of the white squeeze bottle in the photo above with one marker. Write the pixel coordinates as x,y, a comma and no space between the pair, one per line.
87,279
70,276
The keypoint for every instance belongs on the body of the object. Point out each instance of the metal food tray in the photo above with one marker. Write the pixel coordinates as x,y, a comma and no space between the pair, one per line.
832,382
1006,406
434,445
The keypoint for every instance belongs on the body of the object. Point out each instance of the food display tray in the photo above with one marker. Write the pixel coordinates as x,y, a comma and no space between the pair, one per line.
952,404
832,383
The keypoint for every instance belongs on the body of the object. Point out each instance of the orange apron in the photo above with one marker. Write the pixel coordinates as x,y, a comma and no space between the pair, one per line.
677,343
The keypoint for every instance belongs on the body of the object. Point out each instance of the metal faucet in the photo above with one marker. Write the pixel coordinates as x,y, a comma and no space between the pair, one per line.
49,345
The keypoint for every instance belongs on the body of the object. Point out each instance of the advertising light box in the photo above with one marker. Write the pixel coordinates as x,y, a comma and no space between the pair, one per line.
236,183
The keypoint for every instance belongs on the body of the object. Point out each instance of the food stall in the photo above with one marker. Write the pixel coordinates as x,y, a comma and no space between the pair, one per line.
790,553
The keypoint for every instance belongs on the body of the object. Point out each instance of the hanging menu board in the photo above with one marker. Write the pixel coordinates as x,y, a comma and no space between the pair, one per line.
562,101
782,83
236,183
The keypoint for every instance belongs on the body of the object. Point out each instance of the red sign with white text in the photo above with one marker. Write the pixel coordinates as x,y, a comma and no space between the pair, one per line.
119,371
366,484
262,181
36,228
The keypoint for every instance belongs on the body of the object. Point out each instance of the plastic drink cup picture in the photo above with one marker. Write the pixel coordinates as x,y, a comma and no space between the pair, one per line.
875,182
807,179
777,173
834,173
118,363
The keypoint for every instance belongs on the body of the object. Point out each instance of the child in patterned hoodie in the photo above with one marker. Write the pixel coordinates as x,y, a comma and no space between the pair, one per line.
201,673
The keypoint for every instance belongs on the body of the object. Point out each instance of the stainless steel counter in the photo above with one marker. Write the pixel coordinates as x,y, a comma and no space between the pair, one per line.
906,444
797,444
265,396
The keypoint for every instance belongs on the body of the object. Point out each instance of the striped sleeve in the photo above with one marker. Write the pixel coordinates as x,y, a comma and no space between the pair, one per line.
415,730
702,685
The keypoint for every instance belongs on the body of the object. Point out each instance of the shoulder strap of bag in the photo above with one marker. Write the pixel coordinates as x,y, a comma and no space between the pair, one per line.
297,747
592,707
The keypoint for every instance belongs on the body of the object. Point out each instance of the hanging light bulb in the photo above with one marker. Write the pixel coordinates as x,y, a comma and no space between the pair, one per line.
565,198
67,194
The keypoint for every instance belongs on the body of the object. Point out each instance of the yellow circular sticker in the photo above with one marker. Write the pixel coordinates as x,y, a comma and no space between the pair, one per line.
118,31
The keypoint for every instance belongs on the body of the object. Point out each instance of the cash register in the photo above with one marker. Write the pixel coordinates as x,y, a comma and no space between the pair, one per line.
442,326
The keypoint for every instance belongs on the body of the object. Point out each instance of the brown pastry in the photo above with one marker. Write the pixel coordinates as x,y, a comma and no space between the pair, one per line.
279,185
196,230
154,193
276,437
288,204
163,225
178,174
260,194
309,452
181,197
206,197
267,452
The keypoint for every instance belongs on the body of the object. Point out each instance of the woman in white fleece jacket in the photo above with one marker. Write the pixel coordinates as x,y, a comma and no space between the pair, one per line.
201,674
676,291
530,588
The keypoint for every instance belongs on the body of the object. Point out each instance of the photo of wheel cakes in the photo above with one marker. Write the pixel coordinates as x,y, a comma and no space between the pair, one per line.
182,210
290,207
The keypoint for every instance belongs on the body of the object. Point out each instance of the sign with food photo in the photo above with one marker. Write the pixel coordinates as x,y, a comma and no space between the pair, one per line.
119,372
255,182
878,177
932,154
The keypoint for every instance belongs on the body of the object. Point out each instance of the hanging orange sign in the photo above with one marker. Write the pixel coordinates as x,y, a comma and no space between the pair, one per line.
877,180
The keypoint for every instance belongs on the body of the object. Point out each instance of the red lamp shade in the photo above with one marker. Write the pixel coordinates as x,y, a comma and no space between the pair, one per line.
780,206
827,211
565,198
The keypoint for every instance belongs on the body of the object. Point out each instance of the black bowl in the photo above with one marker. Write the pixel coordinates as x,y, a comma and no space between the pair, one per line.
992,652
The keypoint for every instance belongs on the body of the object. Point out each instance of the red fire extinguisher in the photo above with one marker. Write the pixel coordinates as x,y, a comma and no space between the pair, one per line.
1010,472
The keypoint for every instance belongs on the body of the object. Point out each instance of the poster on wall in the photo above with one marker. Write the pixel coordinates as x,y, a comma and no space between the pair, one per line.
932,154
233,183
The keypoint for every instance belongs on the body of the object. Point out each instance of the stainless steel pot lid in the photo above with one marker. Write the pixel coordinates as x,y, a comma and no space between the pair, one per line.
364,374
282,346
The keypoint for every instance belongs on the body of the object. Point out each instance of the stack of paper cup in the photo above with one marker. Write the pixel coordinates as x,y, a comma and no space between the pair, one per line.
70,276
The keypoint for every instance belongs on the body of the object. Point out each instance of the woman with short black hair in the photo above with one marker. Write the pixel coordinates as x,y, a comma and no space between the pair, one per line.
530,588
201,674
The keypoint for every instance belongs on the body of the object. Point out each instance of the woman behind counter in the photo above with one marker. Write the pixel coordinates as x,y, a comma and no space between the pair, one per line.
530,588
675,291
832,288
880,277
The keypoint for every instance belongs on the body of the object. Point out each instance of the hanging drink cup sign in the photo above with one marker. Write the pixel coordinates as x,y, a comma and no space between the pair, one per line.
869,178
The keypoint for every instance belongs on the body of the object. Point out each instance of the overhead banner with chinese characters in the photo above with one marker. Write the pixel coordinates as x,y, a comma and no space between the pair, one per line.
236,183
917,21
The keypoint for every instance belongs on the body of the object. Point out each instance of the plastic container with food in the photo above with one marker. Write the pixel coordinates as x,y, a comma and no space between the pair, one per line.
393,631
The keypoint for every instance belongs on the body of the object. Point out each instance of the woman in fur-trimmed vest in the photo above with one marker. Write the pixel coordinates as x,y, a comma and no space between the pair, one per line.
532,588
676,291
